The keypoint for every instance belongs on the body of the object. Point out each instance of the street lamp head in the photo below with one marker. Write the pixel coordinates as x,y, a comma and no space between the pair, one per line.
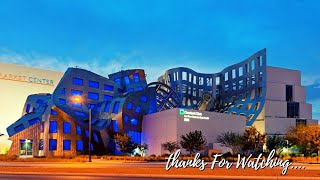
76,99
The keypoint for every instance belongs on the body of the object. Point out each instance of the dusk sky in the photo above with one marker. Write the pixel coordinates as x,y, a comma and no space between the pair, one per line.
105,36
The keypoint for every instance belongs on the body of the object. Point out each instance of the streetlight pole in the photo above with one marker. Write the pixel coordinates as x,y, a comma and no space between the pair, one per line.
90,119
77,99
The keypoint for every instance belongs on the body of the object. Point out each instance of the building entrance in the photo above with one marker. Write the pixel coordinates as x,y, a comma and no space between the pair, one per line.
26,147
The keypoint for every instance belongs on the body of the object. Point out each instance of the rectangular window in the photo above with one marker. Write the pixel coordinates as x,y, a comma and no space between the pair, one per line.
107,97
184,76
134,122
240,71
107,106
129,105
77,105
226,76
138,109
95,137
87,132
127,80
39,101
53,128
136,77
52,144
78,113
289,93
108,87
301,122
194,79
77,81
217,81
42,126
200,80
62,101
130,90
28,108
66,127
293,109
126,118
144,98
92,95
115,125
234,75
33,121
79,130
76,92
116,107
118,81
19,128
53,112
79,145
94,84
253,64
139,88
63,91
66,145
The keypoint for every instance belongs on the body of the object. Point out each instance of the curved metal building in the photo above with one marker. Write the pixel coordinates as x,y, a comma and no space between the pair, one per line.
239,89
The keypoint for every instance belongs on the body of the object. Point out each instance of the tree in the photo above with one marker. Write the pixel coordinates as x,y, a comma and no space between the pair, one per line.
253,140
124,143
276,142
193,141
171,146
306,138
232,140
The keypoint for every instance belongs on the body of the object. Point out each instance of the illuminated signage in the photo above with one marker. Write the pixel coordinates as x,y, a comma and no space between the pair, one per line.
187,115
27,79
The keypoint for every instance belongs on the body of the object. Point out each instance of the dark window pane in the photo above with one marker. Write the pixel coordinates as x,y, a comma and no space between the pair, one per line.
107,97
53,112
94,84
52,144
127,80
87,132
79,130
28,108
92,95
67,145
115,126
118,81
63,91
80,113
289,93
95,137
130,90
138,109
107,107
39,101
108,87
67,127
129,105
53,128
139,88
136,77
79,145
76,92
144,98
116,107
134,121
62,101
292,109
19,128
33,121
77,81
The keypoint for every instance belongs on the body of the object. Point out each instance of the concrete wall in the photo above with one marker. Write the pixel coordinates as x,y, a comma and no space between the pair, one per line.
283,76
168,125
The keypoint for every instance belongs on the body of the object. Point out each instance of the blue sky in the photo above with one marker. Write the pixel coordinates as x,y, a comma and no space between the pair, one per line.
104,36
